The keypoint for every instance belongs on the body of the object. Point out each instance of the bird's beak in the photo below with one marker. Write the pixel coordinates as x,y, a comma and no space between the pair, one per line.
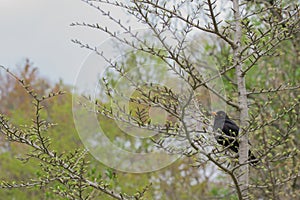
213,113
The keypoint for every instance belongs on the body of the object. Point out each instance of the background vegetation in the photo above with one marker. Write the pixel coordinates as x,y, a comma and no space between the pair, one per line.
38,127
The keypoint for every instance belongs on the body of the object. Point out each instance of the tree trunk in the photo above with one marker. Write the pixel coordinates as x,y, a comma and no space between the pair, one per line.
243,147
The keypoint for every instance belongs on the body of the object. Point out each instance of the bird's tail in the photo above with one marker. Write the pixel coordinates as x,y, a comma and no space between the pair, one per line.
253,160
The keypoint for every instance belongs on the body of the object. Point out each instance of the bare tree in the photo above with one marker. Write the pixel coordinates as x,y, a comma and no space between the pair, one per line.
253,31
68,169
245,37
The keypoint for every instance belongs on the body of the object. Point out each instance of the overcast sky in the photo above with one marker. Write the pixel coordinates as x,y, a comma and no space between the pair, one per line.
40,30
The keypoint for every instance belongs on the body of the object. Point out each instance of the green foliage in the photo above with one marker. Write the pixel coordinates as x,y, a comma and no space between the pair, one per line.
269,65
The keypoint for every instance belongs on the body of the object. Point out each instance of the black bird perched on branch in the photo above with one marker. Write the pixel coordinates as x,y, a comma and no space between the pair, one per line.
229,128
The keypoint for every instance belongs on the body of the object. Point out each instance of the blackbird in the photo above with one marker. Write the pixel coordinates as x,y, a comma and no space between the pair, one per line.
228,127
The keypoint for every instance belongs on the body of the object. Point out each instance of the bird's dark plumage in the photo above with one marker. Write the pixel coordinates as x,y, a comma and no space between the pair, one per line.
229,128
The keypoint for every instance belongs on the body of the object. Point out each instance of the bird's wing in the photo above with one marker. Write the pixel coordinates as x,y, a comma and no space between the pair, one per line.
230,128
229,121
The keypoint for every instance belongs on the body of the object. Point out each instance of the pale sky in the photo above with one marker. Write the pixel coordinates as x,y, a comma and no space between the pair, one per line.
40,30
